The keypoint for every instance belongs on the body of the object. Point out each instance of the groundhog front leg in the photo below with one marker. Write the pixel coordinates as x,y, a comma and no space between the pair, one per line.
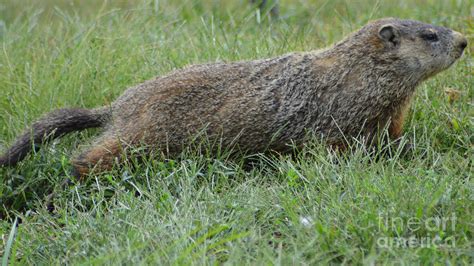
395,129
99,158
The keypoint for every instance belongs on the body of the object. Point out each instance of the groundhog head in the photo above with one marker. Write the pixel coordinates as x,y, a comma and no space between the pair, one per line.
419,48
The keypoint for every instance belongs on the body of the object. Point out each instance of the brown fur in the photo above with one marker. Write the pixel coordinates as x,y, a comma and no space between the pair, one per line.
101,157
350,90
398,119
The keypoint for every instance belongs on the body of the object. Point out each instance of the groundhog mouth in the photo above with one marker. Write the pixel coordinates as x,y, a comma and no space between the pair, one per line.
458,55
455,55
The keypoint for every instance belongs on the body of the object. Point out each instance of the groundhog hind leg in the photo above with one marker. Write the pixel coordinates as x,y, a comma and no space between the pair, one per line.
99,158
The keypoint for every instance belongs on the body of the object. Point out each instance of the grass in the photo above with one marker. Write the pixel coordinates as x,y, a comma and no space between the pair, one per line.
315,207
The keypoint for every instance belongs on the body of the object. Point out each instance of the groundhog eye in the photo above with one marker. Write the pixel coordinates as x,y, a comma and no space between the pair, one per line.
432,37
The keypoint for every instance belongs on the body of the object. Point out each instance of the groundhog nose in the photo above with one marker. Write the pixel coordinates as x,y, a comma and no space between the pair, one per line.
460,40
463,43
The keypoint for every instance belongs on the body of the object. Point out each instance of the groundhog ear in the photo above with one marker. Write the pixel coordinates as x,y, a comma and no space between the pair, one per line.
390,35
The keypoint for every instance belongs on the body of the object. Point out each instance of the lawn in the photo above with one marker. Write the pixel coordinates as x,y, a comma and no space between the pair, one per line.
314,207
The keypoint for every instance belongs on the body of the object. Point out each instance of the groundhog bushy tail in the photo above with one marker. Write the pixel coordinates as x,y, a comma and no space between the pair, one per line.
51,126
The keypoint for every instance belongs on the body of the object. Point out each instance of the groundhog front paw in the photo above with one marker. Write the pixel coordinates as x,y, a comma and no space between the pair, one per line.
403,147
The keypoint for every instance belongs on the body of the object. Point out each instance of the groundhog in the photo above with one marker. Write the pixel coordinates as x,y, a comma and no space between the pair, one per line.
350,90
